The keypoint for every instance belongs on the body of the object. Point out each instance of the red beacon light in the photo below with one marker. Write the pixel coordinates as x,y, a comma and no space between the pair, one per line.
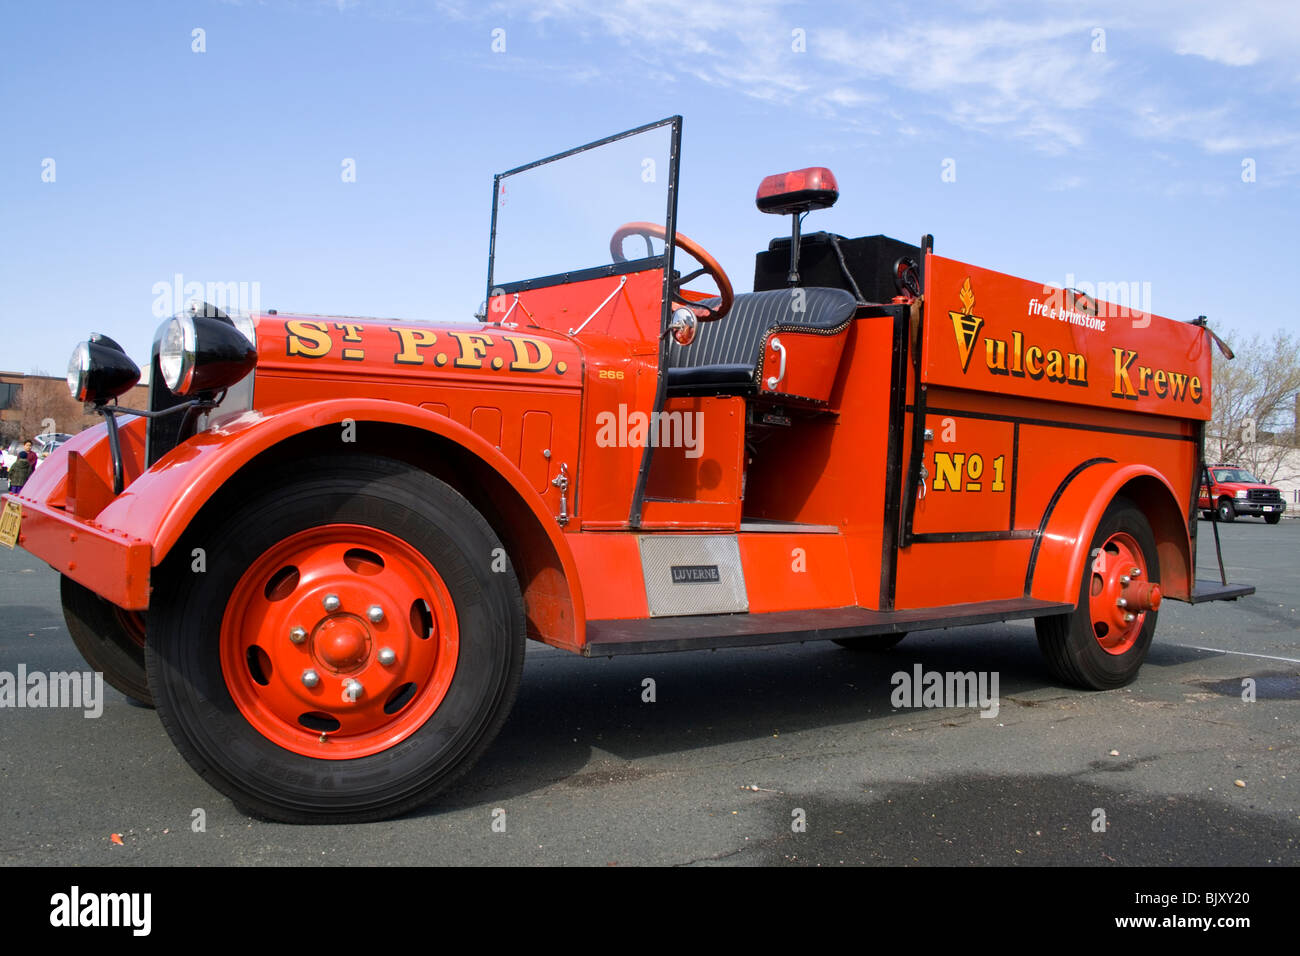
794,194
799,191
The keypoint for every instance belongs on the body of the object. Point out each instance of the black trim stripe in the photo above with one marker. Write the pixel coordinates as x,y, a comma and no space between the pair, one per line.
893,455
1015,467
919,412
949,537
1047,514
1054,423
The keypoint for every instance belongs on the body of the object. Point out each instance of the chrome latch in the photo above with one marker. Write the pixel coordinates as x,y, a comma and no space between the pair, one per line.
561,481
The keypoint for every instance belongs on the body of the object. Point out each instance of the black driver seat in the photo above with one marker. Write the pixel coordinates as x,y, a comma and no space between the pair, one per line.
724,358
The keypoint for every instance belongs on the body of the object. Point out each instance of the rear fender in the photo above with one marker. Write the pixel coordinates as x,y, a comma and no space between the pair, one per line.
1056,568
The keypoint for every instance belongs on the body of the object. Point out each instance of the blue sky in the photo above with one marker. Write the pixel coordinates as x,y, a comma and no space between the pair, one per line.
1110,157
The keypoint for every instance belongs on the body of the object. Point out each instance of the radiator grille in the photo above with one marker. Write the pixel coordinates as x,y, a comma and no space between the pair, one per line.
1264,494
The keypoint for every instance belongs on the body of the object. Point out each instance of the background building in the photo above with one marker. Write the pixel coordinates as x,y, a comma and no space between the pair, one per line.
28,403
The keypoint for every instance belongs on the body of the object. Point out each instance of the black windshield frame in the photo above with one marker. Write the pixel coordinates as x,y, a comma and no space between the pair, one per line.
664,260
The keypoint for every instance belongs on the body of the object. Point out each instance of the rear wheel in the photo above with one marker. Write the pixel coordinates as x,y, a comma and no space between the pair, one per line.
870,642
349,651
1273,518
108,637
1226,511
1103,642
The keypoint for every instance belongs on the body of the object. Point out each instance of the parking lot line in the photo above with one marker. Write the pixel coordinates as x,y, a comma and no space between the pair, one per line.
1219,650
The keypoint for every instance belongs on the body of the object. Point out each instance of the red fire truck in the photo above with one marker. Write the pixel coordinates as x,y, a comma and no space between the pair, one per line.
321,548
1230,491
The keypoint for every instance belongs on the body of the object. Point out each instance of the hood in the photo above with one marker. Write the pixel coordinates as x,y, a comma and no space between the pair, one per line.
492,352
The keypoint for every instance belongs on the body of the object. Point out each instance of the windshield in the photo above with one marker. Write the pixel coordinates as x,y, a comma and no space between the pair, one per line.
553,220
1236,474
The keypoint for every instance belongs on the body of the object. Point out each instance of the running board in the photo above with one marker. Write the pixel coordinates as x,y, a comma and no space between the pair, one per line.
1208,591
706,631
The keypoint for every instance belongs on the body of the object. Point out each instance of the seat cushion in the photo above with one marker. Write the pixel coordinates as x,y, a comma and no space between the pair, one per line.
725,354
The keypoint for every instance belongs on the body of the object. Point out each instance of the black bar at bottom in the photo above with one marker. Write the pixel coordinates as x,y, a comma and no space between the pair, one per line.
705,631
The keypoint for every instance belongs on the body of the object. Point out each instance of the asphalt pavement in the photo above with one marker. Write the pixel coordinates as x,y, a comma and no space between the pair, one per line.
784,755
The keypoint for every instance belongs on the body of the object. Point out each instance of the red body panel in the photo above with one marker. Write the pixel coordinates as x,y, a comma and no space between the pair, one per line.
1034,424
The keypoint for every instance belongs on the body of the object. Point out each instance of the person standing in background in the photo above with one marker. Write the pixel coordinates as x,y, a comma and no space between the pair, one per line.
21,471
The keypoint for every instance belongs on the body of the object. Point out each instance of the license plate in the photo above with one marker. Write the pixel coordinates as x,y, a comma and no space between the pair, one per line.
10,518
1268,507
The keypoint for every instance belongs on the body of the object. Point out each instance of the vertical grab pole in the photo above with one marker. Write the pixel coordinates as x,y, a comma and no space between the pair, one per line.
1214,520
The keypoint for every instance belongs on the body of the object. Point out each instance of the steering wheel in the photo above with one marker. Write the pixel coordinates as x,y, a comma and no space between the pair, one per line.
709,267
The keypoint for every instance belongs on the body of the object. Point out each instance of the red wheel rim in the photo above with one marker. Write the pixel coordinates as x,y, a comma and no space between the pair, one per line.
282,622
1120,594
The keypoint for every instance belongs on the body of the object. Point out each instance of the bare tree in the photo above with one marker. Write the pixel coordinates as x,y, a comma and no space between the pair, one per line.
1255,403
46,400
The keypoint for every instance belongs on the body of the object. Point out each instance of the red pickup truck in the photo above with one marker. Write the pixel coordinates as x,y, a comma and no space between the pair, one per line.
1235,491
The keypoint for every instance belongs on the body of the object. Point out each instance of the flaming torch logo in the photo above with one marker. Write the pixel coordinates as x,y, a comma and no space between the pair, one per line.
964,325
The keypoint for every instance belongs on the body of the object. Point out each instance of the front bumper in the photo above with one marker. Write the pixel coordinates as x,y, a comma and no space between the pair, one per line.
111,563
1258,508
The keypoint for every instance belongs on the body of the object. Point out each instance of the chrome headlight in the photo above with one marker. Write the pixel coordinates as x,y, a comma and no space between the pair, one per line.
79,371
202,353
99,370
176,354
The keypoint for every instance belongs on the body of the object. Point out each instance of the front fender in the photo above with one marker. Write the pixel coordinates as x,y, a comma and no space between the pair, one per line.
1056,568
159,505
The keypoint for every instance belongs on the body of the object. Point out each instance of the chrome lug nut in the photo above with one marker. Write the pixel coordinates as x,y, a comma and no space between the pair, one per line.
1136,572
310,678
387,655
375,613
352,689
1122,602
1124,579
1129,618
298,635
332,603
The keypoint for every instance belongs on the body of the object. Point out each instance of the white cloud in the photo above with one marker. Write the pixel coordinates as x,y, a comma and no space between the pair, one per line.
991,67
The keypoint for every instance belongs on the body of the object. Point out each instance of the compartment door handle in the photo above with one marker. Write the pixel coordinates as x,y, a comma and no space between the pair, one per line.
774,380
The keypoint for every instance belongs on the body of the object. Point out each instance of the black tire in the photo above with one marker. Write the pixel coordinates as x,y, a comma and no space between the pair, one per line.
272,781
870,642
1069,644
109,638
1227,512
1273,518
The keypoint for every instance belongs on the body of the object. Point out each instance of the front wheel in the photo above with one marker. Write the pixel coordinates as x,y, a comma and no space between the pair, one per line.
350,650
1273,518
1226,511
109,638
1102,643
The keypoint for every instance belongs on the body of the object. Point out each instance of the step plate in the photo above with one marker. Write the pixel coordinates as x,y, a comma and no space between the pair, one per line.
692,574
1213,591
